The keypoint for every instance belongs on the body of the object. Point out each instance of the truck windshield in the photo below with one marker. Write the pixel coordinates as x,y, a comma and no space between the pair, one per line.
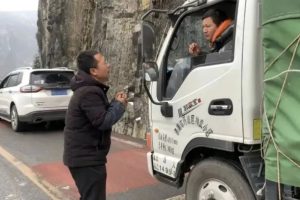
161,25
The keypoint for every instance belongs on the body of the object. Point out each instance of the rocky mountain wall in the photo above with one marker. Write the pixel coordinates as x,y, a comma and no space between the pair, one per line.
66,27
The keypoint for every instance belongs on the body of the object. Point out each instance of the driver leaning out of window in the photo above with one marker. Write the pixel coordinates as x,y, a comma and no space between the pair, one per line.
217,29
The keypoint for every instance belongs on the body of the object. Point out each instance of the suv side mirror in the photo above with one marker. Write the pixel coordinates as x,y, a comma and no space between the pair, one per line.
150,71
148,41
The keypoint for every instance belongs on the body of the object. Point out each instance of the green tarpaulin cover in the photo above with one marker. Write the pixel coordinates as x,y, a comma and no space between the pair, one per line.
281,30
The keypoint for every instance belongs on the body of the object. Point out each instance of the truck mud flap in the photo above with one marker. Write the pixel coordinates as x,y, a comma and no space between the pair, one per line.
253,166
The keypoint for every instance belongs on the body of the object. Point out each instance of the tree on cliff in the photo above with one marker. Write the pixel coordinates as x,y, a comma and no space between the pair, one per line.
37,62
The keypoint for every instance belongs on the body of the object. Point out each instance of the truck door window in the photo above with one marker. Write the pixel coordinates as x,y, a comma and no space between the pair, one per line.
179,60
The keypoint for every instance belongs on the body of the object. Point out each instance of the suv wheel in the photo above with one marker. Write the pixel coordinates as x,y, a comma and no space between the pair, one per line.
16,125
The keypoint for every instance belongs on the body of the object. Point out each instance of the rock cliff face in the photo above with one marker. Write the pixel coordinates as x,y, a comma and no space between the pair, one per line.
65,27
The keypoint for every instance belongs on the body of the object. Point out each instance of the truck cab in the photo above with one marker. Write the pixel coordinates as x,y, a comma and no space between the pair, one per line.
205,109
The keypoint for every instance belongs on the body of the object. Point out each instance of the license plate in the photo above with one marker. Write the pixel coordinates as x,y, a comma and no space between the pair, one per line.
58,92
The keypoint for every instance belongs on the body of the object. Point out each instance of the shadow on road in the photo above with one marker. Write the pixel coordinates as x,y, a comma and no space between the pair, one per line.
44,127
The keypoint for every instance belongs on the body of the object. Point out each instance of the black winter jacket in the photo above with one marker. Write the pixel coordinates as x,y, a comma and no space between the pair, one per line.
89,120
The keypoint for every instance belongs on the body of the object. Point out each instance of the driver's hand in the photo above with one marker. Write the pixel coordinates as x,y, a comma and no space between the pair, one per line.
194,49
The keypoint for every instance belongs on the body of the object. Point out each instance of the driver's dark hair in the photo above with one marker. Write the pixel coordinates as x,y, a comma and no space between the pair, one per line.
218,16
86,60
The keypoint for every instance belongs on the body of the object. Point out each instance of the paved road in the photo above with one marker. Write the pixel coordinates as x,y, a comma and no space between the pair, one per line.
15,186
40,149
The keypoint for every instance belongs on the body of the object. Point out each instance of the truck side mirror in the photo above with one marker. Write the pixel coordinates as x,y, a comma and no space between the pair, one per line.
148,41
150,71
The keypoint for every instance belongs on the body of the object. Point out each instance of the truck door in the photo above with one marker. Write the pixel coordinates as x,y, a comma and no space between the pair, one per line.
204,90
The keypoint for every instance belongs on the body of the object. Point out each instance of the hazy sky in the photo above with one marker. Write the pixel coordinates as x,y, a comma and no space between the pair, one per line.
18,5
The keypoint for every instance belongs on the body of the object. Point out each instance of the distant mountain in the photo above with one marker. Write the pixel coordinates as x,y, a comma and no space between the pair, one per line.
18,45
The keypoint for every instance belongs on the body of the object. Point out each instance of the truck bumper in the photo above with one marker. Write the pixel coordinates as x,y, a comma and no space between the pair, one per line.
149,163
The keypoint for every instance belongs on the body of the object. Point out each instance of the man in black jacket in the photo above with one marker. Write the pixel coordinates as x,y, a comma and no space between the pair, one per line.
89,120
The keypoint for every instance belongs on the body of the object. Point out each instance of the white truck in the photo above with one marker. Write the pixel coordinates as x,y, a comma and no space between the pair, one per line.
206,111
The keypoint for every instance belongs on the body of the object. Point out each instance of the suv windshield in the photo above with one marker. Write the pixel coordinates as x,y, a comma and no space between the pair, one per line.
52,79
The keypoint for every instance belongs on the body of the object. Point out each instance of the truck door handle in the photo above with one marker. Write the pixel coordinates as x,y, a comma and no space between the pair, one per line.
220,107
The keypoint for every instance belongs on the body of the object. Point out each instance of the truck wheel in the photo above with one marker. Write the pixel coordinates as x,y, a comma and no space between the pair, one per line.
16,125
214,179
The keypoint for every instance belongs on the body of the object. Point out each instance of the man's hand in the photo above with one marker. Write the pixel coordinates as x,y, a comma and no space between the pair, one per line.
194,49
121,97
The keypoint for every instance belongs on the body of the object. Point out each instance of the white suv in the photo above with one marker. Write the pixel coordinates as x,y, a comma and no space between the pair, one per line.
35,95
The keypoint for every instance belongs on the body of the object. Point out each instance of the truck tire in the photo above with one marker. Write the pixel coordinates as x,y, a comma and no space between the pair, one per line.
16,125
214,179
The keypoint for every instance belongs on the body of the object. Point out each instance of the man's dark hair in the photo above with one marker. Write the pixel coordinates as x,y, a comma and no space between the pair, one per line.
86,60
216,15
